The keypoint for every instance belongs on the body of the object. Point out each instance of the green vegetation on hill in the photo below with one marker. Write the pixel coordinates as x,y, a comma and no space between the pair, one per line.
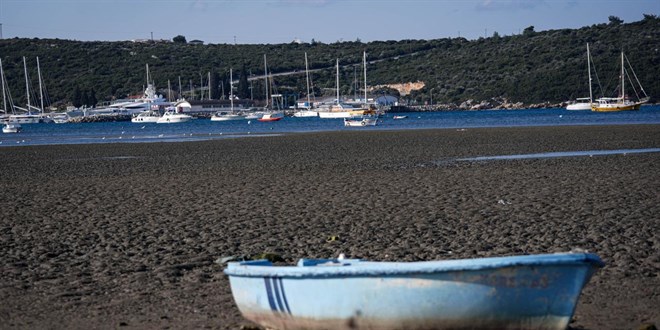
532,67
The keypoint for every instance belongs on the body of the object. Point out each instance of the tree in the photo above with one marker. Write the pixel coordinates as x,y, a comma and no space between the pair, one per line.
85,98
76,99
615,20
179,39
243,91
92,97
215,86
650,17
528,31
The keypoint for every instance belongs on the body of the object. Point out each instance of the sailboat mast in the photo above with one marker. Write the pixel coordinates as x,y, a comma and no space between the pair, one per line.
231,89
337,81
266,79
192,91
41,90
180,91
309,104
27,85
364,63
147,74
169,91
623,91
591,98
4,93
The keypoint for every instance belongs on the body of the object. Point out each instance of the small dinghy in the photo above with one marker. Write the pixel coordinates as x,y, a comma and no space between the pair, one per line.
516,292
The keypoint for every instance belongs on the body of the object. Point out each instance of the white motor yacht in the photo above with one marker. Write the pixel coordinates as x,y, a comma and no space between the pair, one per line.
150,116
171,117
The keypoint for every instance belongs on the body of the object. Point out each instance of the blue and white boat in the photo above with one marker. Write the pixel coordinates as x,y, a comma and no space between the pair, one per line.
515,292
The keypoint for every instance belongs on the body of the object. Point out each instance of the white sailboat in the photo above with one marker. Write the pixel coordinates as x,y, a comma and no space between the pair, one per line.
338,109
231,115
308,112
28,117
7,127
368,116
4,116
584,103
270,113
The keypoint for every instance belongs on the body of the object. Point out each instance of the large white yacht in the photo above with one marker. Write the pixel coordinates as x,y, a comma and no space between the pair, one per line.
149,101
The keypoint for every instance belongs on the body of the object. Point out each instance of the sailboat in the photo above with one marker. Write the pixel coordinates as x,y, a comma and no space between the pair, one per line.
308,112
28,117
5,91
223,115
7,127
368,116
584,103
622,103
339,109
270,114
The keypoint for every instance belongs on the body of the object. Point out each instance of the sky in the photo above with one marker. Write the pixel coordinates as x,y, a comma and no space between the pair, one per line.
283,21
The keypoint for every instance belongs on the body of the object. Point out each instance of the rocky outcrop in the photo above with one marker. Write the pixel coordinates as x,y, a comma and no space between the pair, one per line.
99,119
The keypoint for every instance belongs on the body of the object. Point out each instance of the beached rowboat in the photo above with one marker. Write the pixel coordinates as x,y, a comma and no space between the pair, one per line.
521,292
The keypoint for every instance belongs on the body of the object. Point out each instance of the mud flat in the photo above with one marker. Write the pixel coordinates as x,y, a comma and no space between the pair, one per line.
126,235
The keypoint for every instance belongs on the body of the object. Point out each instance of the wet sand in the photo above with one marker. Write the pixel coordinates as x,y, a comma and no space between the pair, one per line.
126,235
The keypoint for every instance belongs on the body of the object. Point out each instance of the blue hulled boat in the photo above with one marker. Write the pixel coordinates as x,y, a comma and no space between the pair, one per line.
516,292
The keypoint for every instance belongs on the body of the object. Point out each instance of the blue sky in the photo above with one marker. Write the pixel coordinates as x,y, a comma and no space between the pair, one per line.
282,21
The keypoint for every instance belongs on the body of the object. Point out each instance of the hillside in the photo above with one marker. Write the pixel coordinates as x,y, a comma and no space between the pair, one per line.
532,67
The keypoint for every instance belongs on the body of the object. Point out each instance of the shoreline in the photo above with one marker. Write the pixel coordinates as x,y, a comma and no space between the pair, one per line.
127,235
240,135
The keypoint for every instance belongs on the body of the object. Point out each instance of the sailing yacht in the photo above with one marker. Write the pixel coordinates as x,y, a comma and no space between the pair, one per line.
308,112
270,113
231,115
584,103
367,115
338,109
29,117
622,103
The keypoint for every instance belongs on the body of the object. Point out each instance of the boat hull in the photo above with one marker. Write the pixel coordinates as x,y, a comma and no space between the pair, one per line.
25,119
227,118
360,122
334,114
530,292
616,107
173,120
145,119
306,114
579,106
11,128
269,119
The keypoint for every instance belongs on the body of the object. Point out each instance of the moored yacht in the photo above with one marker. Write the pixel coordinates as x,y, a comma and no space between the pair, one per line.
149,116
622,102
11,128
226,116
171,117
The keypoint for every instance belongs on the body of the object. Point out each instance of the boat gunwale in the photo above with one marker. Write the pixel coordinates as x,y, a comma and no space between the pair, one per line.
356,267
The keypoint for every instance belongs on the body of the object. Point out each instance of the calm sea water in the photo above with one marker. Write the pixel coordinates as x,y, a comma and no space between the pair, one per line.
205,129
